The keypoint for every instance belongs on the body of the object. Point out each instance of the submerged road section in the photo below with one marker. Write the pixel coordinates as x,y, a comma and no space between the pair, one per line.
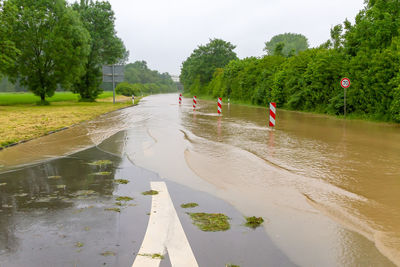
326,188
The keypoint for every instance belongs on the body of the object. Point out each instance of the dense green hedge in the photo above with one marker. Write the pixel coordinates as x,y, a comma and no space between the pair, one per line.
367,52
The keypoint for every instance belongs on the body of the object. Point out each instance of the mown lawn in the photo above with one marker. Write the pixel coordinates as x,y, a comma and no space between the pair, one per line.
7,99
24,120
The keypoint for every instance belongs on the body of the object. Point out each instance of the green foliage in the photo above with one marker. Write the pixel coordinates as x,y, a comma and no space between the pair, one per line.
9,99
148,81
198,69
254,222
105,47
367,52
210,222
8,50
51,41
286,44
128,89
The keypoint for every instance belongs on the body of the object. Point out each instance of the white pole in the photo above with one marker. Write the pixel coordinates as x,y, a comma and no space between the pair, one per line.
113,83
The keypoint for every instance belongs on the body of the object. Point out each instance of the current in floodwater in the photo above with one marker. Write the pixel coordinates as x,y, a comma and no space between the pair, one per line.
325,176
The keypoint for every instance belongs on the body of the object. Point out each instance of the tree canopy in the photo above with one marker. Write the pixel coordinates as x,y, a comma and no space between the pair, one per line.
146,80
286,44
199,67
105,46
8,50
51,44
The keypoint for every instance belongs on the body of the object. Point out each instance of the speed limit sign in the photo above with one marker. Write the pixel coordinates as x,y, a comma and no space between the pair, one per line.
345,82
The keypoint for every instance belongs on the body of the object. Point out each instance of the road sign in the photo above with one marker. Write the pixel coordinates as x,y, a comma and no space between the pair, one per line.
113,74
345,82
109,79
108,73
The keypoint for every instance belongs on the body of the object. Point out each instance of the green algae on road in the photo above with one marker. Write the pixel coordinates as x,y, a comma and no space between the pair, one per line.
101,163
210,222
153,256
124,198
121,181
253,222
150,193
189,205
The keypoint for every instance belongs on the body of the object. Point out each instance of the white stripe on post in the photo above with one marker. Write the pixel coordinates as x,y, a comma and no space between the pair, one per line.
272,114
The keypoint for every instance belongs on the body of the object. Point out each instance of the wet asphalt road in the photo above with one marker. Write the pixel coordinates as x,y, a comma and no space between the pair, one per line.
55,214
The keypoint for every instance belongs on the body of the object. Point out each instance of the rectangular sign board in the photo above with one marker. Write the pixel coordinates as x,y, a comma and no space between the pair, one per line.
118,73
118,70
109,79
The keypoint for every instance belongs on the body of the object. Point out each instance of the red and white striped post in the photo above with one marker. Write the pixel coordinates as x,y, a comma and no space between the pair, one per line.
219,106
180,99
194,102
272,114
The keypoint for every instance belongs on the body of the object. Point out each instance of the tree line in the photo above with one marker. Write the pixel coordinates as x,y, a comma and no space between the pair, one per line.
308,79
50,44
139,80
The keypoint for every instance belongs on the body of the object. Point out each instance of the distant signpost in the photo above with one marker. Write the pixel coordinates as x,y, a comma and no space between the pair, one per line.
113,74
345,83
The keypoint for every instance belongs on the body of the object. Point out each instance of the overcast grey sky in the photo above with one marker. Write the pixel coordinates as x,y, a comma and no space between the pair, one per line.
165,32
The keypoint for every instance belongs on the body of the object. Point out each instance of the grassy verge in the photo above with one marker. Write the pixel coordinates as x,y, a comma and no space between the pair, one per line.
26,121
9,99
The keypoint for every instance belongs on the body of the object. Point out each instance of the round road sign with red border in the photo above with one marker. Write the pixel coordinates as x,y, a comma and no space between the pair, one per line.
345,82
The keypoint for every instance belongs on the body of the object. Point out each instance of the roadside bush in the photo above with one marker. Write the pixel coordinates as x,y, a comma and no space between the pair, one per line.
128,89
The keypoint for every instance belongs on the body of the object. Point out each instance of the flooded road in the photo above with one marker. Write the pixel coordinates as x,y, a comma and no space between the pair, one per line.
335,180
327,188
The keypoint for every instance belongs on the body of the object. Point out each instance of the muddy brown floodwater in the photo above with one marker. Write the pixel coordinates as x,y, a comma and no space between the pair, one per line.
327,188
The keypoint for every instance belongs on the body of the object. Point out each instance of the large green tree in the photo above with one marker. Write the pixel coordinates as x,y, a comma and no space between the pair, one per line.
51,41
199,67
7,47
105,46
287,44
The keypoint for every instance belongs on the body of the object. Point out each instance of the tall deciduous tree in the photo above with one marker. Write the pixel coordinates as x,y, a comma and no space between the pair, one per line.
204,60
52,41
105,47
7,47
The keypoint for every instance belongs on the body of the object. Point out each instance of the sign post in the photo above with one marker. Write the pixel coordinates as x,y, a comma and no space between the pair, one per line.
272,114
219,106
345,83
113,74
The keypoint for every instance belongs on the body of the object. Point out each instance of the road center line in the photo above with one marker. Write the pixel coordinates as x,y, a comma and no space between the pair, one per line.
164,233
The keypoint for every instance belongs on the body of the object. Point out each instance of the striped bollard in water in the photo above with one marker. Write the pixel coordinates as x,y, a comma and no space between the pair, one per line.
194,102
219,106
180,99
272,114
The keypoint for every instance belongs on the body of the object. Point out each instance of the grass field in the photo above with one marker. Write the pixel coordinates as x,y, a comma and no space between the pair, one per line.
21,119
7,99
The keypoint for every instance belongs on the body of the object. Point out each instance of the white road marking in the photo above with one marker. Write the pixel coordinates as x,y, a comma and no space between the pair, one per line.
164,233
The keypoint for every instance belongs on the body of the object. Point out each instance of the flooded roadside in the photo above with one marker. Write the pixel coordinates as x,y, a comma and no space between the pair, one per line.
312,173
73,139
